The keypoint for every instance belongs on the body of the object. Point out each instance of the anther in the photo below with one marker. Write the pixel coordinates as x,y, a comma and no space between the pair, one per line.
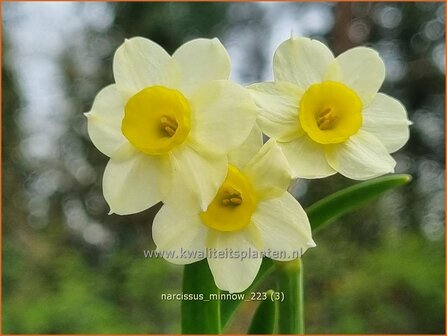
236,200
169,130
168,125
326,119
232,197
325,112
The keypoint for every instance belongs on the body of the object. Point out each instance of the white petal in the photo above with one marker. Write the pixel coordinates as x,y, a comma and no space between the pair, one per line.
179,237
234,274
284,226
139,63
279,103
386,118
269,169
104,121
241,155
306,158
136,183
196,178
223,115
361,157
254,236
200,61
301,61
361,69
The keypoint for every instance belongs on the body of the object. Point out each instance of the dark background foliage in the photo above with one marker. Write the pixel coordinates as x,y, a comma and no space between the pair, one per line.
68,267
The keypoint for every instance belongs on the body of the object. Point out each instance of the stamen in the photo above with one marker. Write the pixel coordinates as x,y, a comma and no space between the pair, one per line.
326,119
236,200
232,197
168,125
325,112
169,130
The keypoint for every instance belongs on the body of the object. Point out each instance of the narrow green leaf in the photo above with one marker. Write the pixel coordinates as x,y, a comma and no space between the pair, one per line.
199,316
263,322
334,206
290,285
228,307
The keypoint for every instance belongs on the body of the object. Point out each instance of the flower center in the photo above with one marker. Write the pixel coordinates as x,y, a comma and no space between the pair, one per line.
326,119
234,204
156,120
330,112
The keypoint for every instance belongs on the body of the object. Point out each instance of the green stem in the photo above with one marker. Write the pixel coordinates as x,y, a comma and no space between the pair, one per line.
290,283
263,322
200,316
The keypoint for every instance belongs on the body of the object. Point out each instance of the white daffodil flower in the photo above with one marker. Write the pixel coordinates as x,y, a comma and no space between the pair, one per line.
251,214
326,113
168,116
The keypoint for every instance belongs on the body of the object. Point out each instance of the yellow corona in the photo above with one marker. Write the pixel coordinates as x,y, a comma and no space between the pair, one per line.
330,112
234,204
156,120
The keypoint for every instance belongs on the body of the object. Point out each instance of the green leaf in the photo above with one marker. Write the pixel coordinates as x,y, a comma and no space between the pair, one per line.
289,275
199,316
336,205
228,307
263,322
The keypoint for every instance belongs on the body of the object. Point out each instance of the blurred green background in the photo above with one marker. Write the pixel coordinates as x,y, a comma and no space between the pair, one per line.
68,267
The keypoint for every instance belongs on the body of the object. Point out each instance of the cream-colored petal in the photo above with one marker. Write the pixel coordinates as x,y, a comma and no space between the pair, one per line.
361,69
126,151
306,158
104,121
254,236
284,226
136,183
268,170
279,105
196,178
386,118
200,61
241,155
234,274
301,61
139,63
223,115
179,237
361,157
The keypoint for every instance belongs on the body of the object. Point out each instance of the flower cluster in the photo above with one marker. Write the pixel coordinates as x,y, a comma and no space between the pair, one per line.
178,131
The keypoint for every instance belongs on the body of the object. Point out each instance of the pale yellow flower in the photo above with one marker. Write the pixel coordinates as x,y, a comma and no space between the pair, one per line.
326,113
251,213
168,117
